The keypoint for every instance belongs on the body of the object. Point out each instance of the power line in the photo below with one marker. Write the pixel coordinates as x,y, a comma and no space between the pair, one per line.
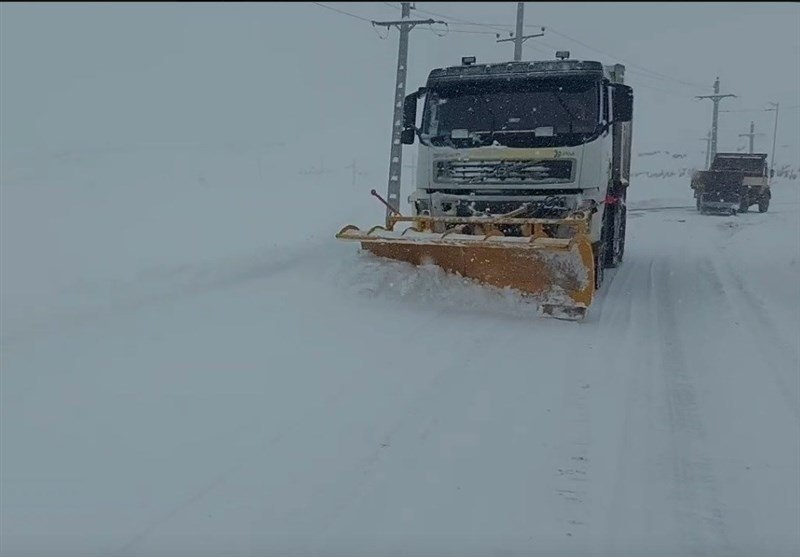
342,12
746,110
759,109
489,24
664,76
537,49
668,91
465,21
461,21
470,32
648,76
630,71
653,74
635,73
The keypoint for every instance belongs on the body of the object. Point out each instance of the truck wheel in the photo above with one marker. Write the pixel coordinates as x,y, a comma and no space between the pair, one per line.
744,204
599,258
763,204
623,227
608,234
615,237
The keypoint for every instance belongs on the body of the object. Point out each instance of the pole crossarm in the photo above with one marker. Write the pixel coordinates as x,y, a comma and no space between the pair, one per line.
713,97
411,22
524,38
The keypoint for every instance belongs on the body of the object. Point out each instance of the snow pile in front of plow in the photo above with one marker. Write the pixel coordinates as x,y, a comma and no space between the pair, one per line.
368,276
566,268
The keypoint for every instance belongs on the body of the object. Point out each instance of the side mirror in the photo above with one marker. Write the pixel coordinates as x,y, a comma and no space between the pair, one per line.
772,173
410,117
623,103
407,136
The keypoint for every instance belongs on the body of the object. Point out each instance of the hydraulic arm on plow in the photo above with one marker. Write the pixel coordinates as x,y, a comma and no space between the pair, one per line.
521,182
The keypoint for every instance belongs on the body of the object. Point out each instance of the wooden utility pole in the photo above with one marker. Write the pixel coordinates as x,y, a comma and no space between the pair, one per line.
518,37
404,25
774,133
751,135
715,98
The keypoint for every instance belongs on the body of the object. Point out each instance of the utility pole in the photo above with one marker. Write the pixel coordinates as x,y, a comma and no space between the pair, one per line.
404,25
774,133
518,37
715,98
707,139
751,135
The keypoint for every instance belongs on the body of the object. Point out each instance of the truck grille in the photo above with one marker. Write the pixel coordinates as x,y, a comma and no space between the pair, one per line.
503,171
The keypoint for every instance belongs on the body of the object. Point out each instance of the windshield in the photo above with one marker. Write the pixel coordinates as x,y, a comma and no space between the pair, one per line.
511,114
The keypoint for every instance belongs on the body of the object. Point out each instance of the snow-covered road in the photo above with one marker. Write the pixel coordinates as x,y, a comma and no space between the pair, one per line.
302,399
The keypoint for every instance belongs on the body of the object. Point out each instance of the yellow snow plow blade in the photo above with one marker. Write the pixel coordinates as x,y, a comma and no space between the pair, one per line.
558,271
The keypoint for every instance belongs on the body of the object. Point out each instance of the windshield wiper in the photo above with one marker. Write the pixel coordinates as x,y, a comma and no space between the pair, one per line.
444,138
494,125
565,107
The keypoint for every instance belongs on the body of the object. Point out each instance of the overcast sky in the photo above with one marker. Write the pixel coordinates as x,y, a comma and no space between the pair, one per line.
93,76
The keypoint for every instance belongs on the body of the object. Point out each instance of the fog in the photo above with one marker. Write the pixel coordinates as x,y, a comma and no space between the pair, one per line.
192,364
114,75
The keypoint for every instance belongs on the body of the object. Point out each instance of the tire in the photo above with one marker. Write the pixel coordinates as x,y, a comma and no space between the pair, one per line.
615,237
623,229
697,202
599,268
608,235
763,204
744,204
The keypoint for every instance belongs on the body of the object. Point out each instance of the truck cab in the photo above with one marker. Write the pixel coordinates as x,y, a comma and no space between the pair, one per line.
551,136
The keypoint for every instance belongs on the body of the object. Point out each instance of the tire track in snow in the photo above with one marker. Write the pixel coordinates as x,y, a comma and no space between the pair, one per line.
574,480
638,385
778,355
623,482
403,456
410,418
692,473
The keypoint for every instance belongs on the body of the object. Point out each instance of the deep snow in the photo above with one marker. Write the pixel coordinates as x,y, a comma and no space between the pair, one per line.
187,369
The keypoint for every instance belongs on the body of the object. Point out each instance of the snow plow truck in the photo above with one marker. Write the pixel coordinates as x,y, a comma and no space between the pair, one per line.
522,174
